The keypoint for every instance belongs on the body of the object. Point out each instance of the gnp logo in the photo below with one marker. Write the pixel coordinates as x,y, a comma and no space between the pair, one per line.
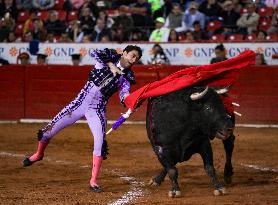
48,51
188,52
83,51
13,51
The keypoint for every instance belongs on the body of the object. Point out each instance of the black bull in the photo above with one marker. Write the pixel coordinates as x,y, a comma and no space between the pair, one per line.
180,124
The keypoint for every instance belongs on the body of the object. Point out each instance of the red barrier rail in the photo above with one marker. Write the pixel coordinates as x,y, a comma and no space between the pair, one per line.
42,91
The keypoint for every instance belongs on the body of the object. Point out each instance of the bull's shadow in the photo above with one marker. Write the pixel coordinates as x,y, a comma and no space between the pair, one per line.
182,123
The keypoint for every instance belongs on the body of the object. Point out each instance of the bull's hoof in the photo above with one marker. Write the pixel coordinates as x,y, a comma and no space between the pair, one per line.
221,191
152,182
174,194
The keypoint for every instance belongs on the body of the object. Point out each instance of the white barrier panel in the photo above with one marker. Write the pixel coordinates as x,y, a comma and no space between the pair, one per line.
179,54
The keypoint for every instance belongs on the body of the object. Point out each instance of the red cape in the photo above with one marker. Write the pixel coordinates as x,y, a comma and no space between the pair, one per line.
224,73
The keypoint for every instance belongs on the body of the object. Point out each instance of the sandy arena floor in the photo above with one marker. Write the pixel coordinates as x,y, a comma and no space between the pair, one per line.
62,177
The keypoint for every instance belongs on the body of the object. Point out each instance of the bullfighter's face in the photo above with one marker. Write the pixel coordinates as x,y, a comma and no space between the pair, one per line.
130,58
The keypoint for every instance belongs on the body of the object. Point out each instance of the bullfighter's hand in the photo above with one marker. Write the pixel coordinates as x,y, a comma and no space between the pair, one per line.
114,69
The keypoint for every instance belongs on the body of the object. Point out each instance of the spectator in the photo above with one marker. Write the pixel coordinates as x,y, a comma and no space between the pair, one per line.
27,37
140,13
3,62
138,35
53,24
23,58
248,22
50,38
76,4
260,60
76,59
174,19
38,32
105,39
160,34
192,14
4,30
24,5
65,38
9,21
108,20
86,39
75,32
28,25
120,35
123,21
100,31
274,22
43,4
211,9
155,5
237,6
87,20
198,33
11,37
220,53
41,59
189,37
8,6
261,35
158,56
173,36
165,9
230,17
92,6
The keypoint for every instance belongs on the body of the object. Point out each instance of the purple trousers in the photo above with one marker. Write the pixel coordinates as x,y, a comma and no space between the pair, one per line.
89,103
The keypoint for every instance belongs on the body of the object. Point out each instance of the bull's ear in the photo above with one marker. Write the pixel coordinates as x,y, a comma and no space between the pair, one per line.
197,96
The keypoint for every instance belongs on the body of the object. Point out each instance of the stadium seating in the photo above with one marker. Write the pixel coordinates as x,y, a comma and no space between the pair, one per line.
264,25
59,4
265,12
250,37
213,25
19,29
235,37
217,38
72,15
22,16
272,37
62,15
43,15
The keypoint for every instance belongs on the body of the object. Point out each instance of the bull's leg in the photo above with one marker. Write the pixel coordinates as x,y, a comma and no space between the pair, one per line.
173,175
156,181
207,156
229,147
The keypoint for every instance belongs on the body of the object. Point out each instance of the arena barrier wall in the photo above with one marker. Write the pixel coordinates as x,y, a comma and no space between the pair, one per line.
41,91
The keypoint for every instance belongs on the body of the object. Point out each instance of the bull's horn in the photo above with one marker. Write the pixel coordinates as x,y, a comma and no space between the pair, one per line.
237,113
235,104
196,96
222,91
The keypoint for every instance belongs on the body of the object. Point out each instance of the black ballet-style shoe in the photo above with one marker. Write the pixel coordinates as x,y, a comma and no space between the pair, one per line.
27,162
96,189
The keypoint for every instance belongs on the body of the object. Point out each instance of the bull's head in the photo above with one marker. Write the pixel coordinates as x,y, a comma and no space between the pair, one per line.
214,116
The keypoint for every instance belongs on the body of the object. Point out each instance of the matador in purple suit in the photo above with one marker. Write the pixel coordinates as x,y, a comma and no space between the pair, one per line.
111,73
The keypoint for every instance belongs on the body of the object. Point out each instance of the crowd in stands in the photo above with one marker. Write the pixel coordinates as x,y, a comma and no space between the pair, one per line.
83,21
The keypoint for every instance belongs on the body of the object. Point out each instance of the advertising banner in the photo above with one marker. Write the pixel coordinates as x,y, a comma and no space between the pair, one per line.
178,53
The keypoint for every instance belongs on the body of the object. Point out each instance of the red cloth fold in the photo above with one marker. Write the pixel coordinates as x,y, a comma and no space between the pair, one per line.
224,73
